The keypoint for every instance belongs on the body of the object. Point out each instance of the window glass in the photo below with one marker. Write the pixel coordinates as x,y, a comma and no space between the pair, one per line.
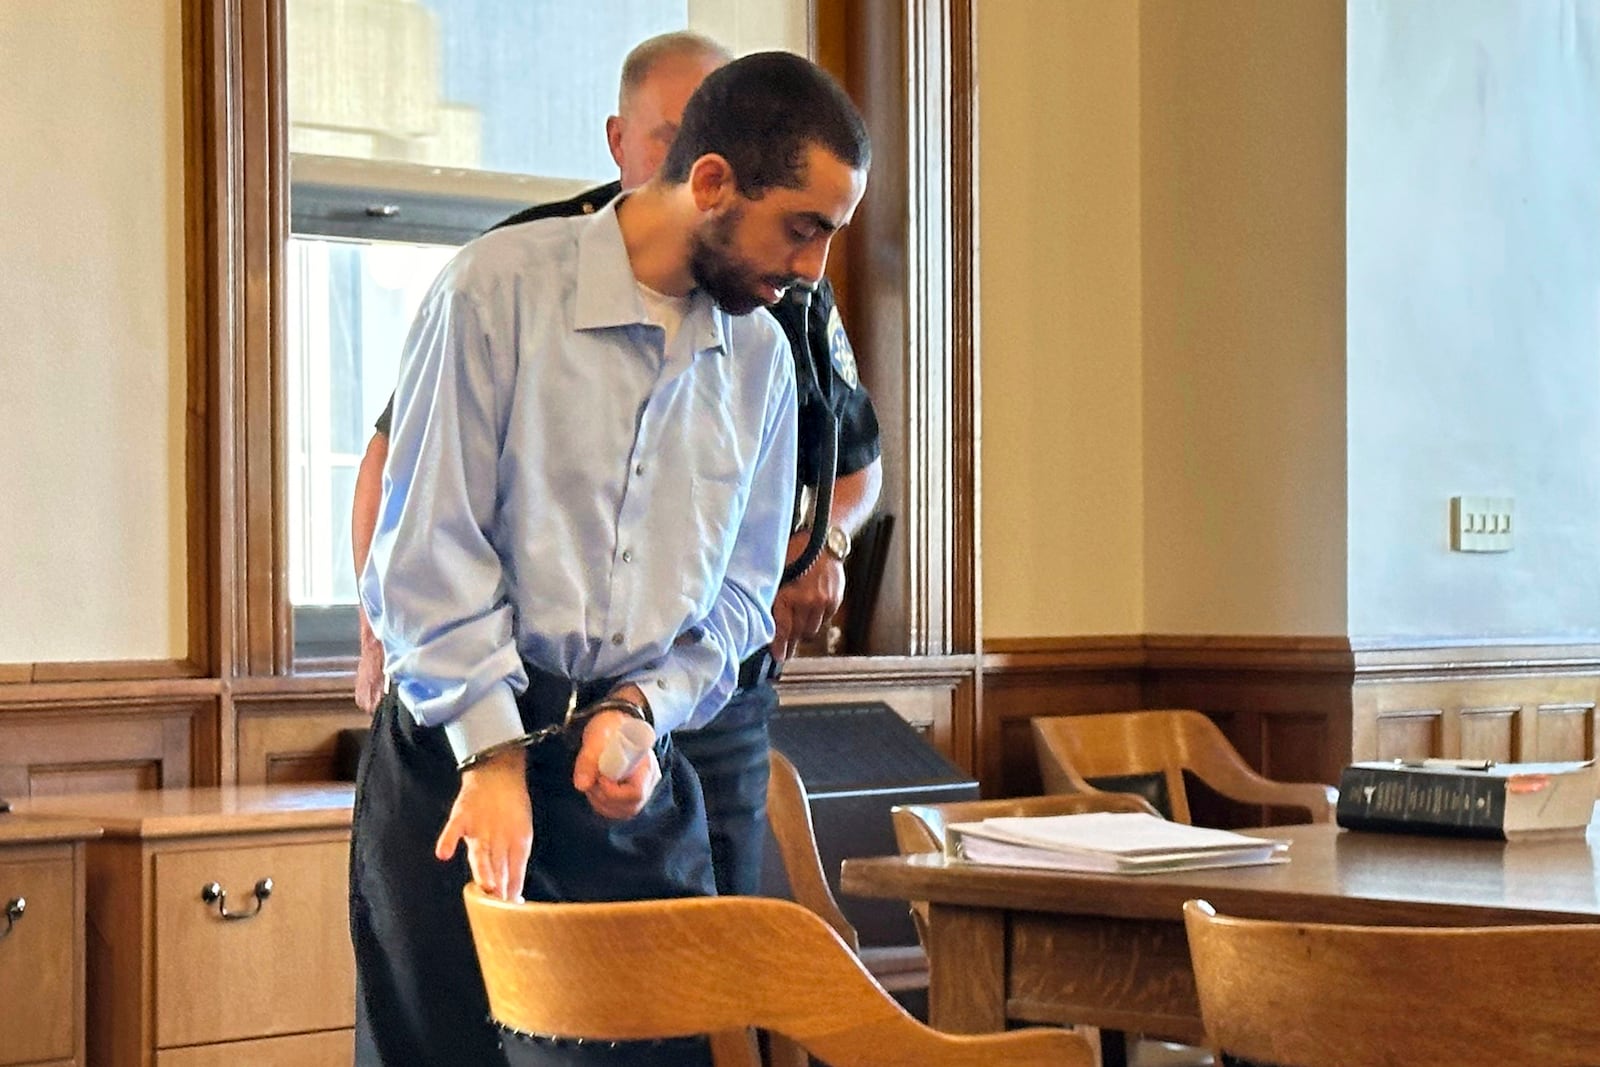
414,125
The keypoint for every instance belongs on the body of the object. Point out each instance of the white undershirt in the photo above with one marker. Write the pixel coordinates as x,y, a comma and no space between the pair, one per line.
665,311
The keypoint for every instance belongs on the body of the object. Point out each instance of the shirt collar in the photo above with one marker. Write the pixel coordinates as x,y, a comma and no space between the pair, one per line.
607,293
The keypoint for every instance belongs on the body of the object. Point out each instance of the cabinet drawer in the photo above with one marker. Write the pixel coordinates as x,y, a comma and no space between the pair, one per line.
284,966
38,961
335,1048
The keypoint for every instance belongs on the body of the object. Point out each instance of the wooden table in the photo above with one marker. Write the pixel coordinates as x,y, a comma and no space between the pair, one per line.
1110,951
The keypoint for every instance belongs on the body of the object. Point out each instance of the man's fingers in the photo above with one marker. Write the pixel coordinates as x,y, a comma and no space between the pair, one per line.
449,839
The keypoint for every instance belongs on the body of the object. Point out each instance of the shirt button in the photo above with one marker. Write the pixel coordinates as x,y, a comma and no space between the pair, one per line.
616,639
627,555
638,468
661,683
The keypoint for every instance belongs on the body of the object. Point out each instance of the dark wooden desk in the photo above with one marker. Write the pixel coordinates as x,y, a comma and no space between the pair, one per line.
1110,951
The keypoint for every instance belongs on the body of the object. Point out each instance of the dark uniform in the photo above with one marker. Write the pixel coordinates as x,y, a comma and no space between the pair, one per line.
730,753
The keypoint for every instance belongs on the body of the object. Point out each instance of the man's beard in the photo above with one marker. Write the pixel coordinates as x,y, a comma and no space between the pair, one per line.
718,270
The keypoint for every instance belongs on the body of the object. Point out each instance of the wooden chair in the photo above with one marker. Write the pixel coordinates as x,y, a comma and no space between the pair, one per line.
894,967
1088,753
1319,995
670,968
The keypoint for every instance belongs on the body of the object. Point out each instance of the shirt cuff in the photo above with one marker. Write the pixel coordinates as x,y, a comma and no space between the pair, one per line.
493,720
668,690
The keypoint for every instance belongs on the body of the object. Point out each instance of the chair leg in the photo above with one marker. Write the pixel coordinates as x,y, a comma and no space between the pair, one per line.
735,1048
781,1052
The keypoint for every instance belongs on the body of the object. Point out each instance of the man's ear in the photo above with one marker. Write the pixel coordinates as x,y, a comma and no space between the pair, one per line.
711,181
614,138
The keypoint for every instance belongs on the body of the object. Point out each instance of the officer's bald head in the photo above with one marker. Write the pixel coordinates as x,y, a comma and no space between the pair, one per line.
658,77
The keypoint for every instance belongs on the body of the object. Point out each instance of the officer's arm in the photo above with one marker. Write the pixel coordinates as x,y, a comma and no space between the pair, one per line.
363,517
855,495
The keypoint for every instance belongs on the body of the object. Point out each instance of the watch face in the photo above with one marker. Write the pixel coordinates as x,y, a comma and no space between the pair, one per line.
838,542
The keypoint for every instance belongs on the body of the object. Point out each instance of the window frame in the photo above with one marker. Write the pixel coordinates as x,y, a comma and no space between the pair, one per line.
922,222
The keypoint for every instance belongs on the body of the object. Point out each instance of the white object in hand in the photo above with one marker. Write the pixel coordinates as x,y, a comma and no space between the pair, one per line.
625,748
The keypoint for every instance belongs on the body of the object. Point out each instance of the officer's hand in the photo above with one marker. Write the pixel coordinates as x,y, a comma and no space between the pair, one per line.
493,814
369,676
804,606
612,799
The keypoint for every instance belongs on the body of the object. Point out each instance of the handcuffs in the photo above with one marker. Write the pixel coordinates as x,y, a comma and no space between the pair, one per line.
574,716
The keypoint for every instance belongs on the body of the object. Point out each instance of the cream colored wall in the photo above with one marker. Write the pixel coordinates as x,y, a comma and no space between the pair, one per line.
1243,171
1062,513
92,362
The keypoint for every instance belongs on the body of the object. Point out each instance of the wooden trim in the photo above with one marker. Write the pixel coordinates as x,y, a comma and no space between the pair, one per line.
1214,652
1050,654
136,691
1473,656
116,670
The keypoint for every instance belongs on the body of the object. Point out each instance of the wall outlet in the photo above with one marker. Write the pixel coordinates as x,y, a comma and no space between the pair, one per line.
1481,523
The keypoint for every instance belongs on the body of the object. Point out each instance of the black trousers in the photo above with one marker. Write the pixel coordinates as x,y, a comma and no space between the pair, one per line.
729,755
420,996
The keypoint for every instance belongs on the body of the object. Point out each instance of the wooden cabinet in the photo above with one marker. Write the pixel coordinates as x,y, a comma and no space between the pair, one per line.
42,940
218,927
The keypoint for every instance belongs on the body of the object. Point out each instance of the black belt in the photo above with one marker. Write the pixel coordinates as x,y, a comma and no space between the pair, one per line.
757,669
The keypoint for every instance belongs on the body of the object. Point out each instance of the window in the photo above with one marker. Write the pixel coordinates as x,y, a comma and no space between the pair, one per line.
414,125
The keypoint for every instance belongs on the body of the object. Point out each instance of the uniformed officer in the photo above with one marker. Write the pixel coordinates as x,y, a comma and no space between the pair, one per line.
836,415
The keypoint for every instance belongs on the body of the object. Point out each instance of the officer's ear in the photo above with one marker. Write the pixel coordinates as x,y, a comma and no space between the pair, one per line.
712,183
614,138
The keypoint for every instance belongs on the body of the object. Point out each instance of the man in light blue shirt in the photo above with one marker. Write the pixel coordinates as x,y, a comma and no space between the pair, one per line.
585,512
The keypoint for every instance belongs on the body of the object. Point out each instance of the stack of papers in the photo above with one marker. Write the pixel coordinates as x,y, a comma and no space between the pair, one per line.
1111,842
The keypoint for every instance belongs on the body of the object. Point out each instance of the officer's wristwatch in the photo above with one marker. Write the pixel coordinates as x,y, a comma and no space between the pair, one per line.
838,543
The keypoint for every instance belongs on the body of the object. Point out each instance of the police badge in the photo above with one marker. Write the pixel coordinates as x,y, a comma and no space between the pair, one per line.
840,354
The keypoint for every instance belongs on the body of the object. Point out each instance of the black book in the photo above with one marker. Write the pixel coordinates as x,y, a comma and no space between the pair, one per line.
1467,798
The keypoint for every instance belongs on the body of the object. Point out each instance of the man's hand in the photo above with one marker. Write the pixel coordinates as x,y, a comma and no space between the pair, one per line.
493,814
369,674
614,800
804,606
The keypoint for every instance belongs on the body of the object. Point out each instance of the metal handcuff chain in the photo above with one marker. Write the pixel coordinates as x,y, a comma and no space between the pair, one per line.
573,717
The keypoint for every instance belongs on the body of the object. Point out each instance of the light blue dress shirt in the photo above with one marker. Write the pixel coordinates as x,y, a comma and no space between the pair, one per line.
561,489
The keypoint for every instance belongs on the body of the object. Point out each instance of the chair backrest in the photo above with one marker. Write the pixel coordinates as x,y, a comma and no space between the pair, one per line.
651,969
1317,995
789,816
1080,753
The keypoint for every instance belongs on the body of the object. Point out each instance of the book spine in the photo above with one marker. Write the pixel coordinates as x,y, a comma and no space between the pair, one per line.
1395,799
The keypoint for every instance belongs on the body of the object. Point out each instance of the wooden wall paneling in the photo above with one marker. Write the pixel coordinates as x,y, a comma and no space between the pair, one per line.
291,737
1491,732
1565,731
1477,700
77,739
1023,679
1284,702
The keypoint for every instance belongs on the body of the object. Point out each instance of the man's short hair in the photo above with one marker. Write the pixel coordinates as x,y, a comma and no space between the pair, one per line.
762,113
681,44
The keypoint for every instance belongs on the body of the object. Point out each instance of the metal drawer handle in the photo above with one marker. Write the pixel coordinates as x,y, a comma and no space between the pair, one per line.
15,908
213,893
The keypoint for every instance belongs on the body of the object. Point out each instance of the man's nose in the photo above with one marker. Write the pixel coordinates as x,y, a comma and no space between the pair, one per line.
810,263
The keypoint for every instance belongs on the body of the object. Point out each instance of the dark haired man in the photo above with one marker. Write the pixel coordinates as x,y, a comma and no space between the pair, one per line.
729,754
586,509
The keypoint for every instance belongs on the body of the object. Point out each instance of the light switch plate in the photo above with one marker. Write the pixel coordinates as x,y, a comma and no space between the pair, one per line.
1481,523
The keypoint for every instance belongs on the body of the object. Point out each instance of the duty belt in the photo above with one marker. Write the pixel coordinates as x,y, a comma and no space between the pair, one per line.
757,669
